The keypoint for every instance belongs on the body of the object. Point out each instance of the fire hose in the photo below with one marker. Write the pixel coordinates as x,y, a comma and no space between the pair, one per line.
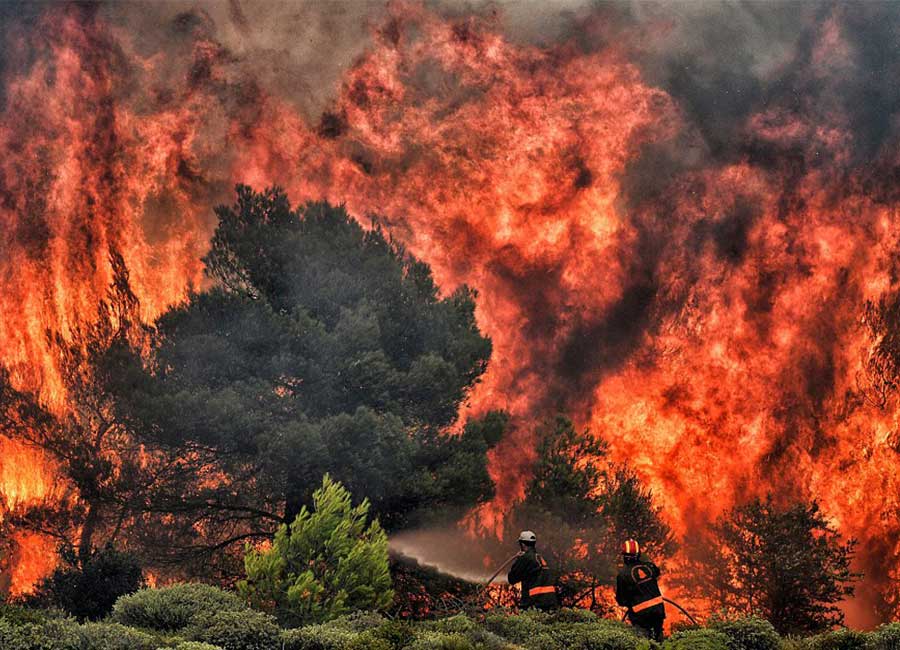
496,573
674,604
507,562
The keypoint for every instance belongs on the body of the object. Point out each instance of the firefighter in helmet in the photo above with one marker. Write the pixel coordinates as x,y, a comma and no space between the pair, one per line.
531,569
638,590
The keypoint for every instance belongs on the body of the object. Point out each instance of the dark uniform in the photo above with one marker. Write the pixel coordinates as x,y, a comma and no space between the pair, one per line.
638,590
538,589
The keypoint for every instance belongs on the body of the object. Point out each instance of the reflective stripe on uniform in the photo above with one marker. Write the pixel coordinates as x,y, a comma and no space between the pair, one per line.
537,591
647,604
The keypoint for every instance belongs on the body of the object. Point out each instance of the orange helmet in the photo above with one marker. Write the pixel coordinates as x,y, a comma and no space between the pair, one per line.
631,547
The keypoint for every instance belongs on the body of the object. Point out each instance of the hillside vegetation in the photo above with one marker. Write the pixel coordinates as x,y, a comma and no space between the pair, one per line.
200,617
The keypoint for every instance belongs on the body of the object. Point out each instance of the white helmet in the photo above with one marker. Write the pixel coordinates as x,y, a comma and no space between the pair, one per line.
528,537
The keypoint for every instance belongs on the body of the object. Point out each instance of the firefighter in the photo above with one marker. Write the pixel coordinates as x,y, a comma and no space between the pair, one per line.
532,571
638,590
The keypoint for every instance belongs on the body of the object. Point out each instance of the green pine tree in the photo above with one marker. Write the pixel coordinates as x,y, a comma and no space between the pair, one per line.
329,562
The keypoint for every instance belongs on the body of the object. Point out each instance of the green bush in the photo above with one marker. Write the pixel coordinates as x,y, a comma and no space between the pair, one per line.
21,615
442,641
750,633
703,639
398,634
562,630
606,638
332,560
518,628
318,637
838,640
237,630
484,640
113,636
574,615
88,587
194,645
886,637
359,621
50,635
173,608
459,624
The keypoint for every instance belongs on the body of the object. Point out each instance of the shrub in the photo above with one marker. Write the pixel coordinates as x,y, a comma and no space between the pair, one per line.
237,630
605,638
750,633
88,588
173,608
317,637
459,624
50,635
195,645
17,615
484,640
838,640
562,630
886,637
398,634
112,636
329,637
704,639
442,641
518,628
574,615
359,621
330,561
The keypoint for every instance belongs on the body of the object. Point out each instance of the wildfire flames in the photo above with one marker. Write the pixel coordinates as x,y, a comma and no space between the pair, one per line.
696,299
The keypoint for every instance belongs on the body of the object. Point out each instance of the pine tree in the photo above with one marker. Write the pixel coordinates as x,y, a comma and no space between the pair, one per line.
788,565
329,562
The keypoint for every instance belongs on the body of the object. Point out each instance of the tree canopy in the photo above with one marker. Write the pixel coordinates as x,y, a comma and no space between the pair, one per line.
321,347
786,564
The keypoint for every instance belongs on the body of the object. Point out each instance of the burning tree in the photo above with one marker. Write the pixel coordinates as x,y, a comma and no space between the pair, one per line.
321,348
786,564
105,473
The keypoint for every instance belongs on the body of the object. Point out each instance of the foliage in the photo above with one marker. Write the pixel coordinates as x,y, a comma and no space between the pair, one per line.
696,640
113,636
173,608
329,562
238,630
576,498
54,634
87,587
838,640
748,633
561,630
323,347
566,629
886,637
785,564
19,615
330,637
97,459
